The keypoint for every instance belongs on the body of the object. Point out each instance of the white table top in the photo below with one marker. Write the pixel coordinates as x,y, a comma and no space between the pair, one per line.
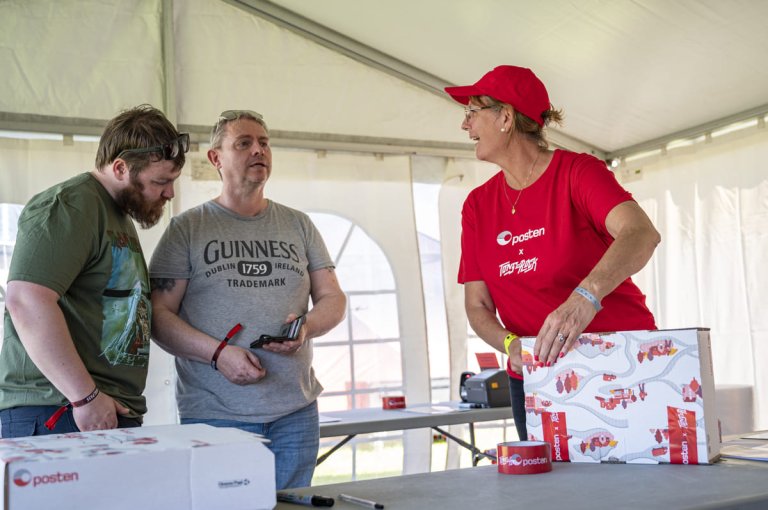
363,421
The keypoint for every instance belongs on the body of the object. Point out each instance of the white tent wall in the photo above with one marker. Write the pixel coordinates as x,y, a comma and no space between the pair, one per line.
710,203
29,166
84,59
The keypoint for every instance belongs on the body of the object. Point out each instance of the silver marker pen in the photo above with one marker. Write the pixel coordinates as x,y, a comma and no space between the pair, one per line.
360,501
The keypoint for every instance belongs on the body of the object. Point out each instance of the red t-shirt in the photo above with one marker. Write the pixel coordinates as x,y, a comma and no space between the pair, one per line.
531,261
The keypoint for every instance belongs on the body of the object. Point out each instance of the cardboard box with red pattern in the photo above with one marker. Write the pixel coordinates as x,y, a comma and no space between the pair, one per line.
169,467
641,397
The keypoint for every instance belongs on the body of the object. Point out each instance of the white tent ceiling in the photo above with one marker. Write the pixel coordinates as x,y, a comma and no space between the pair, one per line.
627,73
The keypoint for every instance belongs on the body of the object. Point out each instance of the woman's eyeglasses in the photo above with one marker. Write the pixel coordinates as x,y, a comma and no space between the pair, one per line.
168,150
471,110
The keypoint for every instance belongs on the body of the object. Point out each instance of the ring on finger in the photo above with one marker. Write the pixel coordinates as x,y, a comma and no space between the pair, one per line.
561,338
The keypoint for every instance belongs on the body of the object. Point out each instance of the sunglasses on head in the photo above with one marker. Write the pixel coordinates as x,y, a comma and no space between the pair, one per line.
168,150
230,115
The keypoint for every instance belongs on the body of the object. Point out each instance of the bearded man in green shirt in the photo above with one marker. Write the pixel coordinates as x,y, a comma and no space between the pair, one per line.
78,316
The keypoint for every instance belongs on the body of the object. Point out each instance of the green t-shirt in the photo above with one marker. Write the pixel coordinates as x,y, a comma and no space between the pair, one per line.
73,239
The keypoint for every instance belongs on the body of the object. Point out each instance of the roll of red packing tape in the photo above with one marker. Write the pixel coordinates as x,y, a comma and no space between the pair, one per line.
524,457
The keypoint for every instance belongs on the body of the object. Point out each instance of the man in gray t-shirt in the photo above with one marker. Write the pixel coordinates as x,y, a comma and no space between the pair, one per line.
241,259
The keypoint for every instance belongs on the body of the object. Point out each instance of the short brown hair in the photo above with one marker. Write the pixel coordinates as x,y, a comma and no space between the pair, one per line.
136,128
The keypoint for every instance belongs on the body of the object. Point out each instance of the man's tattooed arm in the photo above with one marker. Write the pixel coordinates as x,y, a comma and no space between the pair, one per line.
162,284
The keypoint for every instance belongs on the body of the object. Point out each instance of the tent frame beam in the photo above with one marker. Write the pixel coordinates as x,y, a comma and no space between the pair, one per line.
69,126
72,126
340,43
692,132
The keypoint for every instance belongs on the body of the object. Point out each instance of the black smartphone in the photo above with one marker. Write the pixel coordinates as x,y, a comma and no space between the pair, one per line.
289,331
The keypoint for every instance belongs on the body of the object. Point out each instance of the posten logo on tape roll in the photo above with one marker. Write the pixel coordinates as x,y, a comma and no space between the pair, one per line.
524,457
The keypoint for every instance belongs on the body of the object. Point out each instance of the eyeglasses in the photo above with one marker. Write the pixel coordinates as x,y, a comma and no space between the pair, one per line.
230,115
168,150
470,110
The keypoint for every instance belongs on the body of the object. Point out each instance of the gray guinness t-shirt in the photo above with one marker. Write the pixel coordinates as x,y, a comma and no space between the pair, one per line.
253,270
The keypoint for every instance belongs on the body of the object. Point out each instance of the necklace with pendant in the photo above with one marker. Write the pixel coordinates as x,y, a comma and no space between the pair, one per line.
525,184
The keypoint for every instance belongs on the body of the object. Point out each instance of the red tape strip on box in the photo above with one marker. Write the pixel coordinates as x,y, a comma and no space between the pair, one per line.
555,432
524,457
683,448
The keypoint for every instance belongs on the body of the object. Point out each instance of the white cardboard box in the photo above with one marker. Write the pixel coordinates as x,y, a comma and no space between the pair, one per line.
641,397
162,467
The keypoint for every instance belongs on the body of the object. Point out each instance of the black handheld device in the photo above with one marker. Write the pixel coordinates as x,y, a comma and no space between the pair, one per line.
289,331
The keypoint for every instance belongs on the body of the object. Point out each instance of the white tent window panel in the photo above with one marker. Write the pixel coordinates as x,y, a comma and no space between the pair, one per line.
28,166
9,216
360,359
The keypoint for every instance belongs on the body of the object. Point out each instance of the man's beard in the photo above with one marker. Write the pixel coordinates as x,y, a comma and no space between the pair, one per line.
133,203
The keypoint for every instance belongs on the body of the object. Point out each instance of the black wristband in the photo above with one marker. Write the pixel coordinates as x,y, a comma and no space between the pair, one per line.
87,400
220,348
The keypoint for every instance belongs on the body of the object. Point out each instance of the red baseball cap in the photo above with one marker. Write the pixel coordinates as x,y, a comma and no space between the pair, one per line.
517,86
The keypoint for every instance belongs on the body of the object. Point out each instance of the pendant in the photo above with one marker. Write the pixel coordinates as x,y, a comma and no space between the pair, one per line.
513,209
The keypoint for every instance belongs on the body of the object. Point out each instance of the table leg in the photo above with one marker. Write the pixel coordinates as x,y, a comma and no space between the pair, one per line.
476,453
327,454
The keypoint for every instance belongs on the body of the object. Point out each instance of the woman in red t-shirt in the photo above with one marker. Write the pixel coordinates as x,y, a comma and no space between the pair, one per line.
549,241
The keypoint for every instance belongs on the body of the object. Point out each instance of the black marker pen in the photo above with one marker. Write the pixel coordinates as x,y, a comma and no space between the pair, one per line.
304,500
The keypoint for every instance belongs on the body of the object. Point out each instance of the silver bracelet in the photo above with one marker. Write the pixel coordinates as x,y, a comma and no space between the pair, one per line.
590,297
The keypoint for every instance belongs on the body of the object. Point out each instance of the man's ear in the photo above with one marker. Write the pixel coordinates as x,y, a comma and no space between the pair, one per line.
119,169
213,157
